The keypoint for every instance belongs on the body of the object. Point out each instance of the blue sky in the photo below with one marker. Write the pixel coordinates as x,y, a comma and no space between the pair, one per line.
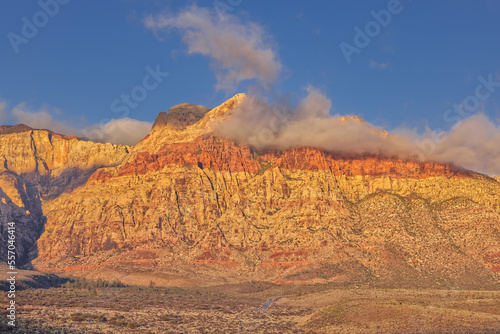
426,59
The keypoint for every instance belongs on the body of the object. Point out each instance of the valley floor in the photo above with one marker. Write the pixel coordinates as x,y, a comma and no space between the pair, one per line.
93,308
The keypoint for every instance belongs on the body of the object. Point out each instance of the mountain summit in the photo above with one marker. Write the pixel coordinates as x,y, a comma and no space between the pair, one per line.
180,116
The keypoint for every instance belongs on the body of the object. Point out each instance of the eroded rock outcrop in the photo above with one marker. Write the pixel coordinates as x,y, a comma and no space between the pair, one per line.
180,116
36,166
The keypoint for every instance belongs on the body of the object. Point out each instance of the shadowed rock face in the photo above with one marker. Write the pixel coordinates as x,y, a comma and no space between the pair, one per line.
180,116
36,166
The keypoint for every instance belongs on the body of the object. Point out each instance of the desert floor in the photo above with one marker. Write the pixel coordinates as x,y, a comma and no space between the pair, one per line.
90,307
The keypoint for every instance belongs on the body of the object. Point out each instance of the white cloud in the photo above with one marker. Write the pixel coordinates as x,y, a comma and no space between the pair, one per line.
40,119
471,143
3,110
125,131
238,51
379,66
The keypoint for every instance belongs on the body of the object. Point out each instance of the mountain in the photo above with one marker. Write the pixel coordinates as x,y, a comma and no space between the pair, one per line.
37,166
187,207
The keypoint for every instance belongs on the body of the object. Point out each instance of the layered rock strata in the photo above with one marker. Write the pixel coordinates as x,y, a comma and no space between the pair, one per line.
186,201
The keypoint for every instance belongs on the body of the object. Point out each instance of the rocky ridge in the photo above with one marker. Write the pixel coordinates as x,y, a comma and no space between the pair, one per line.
8,129
198,208
36,166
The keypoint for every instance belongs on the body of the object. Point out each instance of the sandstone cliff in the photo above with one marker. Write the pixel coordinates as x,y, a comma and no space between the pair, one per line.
37,165
185,202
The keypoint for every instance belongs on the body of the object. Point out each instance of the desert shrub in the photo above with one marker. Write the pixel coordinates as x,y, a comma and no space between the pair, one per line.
117,284
132,325
82,283
101,318
119,321
78,317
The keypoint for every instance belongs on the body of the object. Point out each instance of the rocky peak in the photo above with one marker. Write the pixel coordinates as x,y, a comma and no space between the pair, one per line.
221,113
180,116
188,122
8,129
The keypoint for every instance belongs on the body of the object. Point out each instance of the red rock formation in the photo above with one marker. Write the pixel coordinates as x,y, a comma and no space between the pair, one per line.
189,203
218,154
206,152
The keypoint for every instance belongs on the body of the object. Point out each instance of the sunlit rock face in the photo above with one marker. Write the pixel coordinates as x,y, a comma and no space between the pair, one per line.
36,166
180,116
188,203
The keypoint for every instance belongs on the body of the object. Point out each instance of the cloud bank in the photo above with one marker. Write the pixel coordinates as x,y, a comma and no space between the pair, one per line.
125,131
238,51
471,143
40,119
